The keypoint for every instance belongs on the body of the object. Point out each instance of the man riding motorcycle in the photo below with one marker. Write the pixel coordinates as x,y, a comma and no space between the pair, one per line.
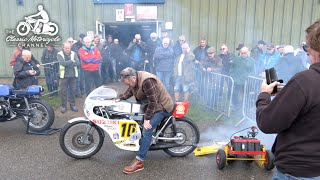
148,89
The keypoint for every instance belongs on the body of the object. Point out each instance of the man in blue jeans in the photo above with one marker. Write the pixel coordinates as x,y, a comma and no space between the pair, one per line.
164,62
148,89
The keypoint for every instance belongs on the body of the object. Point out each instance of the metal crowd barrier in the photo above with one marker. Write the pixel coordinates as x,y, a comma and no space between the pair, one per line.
251,92
214,90
51,74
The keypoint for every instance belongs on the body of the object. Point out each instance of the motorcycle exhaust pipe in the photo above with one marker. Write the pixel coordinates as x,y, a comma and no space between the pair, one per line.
163,146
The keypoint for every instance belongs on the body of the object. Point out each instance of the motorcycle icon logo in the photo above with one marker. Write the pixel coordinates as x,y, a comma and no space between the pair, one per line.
38,26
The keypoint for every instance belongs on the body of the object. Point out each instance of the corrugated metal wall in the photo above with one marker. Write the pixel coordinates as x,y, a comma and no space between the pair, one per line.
219,21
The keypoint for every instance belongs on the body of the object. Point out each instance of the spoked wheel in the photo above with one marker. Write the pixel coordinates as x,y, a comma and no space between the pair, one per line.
42,115
76,144
189,134
23,28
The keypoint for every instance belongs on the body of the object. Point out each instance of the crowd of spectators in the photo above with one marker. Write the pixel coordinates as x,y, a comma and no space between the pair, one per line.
101,60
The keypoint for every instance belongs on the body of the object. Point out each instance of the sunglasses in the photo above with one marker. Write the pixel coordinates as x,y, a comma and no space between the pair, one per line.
305,47
222,49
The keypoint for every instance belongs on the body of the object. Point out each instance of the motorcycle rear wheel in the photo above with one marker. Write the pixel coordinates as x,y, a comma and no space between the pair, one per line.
72,134
187,129
42,115
55,29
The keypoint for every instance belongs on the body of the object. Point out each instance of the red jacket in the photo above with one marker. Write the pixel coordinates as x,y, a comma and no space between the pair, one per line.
90,58
14,57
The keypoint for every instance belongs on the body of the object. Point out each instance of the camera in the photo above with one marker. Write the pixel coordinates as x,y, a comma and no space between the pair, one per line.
271,76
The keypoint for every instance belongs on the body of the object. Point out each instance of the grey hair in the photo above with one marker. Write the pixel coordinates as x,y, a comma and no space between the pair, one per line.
182,37
185,45
167,40
87,39
153,34
137,35
26,52
288,49
127,73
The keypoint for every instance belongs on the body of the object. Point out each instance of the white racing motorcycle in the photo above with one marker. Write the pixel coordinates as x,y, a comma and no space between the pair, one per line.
83,137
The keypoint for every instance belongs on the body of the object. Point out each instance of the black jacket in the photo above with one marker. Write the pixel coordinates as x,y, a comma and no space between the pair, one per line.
151,46
227,60
200,53
22,78
177,49
294,114
256,52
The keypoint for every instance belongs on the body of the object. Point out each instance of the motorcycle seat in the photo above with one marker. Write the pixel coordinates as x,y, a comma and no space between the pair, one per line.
20,92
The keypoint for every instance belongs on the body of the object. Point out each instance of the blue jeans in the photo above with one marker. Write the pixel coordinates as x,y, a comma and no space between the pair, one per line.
165,76
112,70
147,134
179,84
277,175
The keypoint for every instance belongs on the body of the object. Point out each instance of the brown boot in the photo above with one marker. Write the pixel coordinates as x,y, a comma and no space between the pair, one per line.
135,166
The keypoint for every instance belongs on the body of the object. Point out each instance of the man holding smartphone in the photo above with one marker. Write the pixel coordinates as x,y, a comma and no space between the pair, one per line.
294,114
136,51
25,71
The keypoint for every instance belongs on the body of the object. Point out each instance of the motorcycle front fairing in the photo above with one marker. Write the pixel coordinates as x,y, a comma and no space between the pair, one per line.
124,133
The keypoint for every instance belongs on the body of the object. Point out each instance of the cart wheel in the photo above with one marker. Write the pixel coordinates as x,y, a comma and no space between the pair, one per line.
269,163
221,159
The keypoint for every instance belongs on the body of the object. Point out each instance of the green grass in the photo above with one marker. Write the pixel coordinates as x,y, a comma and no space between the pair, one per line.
54,101
200,113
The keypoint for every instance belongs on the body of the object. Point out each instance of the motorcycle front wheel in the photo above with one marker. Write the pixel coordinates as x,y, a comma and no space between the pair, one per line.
189,132
72,136
41,115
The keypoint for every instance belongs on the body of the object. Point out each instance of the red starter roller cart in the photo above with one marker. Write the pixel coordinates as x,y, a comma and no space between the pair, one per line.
245,148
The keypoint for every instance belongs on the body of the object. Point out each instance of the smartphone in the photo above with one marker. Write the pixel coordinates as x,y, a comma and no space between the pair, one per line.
271,76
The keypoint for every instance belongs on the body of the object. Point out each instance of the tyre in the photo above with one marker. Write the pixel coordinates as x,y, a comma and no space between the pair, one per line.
42,115
186,129
54,30
72,134
23,28
221,159
269,163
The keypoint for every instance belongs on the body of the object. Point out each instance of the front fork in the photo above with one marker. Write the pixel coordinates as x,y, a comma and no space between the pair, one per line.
86,136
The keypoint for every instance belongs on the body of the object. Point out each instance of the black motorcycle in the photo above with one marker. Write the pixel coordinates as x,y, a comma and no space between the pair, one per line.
25,104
